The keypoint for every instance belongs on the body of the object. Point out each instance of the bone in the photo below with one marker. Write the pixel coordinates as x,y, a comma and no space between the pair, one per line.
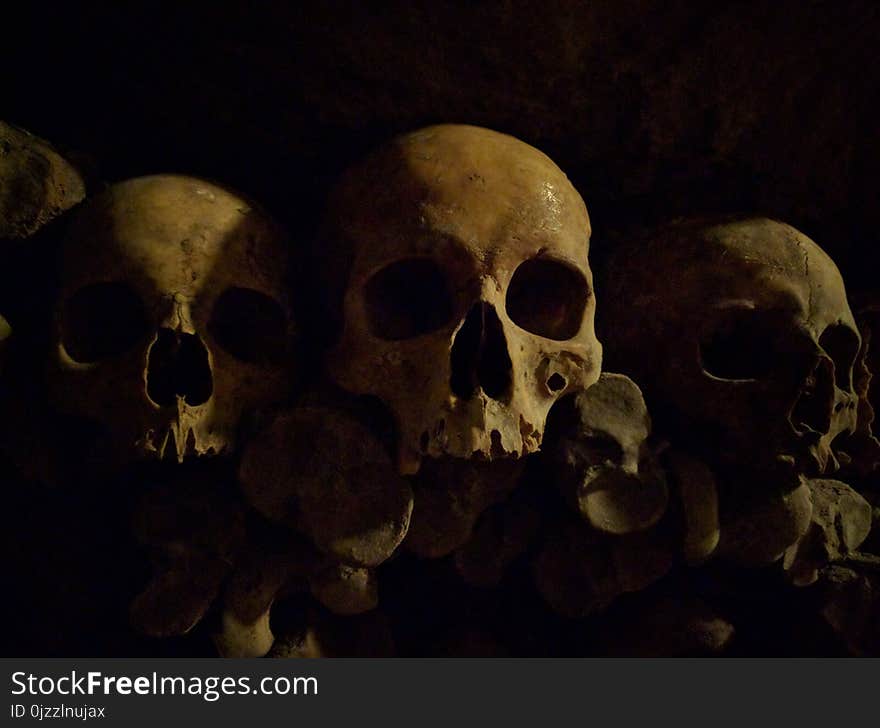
36,183
602,462
320,634
668,625
860,453
850,608
193,532
839,523
698,494
503,533
239,639
581,572
273,563
346,590
178,596
323,473
640,559
450,495
759,532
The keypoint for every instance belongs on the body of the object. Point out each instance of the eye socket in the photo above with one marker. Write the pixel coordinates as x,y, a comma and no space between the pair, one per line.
249,325
547,298
102,320
841,344
745,345
407,298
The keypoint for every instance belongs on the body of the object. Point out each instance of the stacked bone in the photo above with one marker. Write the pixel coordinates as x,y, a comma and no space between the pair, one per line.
754,350
321,473
455,264
607,473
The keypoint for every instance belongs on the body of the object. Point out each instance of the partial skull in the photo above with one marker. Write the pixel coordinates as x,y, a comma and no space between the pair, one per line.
864,448
172,321
36,183
740,334
460,265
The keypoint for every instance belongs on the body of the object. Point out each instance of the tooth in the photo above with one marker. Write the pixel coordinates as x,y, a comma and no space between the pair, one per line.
180,441
164,445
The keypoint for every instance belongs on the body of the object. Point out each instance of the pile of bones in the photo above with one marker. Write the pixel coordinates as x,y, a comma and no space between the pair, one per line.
464,413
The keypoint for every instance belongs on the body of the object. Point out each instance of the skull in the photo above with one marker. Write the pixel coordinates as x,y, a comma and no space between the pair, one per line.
467,302
171,321
740,333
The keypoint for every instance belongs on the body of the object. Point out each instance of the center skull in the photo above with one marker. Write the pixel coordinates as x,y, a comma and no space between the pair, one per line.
171,322
467,303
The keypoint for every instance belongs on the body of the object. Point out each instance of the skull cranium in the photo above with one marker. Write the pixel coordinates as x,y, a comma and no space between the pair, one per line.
467,301
171,321
740,333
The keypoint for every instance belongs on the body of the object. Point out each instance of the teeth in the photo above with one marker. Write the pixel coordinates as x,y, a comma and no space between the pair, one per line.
169,447
176,446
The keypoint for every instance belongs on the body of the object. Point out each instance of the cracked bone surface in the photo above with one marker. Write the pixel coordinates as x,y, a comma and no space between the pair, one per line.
605,469
323,473
172,321
739,333
36,183
456,262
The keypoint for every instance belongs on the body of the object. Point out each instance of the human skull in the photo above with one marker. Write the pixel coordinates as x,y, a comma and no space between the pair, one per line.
171,321
740,333
467,305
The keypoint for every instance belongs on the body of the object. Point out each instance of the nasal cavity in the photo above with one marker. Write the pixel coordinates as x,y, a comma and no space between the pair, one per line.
479,358
178,367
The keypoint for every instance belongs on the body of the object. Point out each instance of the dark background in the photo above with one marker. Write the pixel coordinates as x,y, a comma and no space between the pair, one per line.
654,109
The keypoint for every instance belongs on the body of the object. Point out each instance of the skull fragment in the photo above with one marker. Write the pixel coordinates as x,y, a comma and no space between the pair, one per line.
460,261
171,322
740,333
